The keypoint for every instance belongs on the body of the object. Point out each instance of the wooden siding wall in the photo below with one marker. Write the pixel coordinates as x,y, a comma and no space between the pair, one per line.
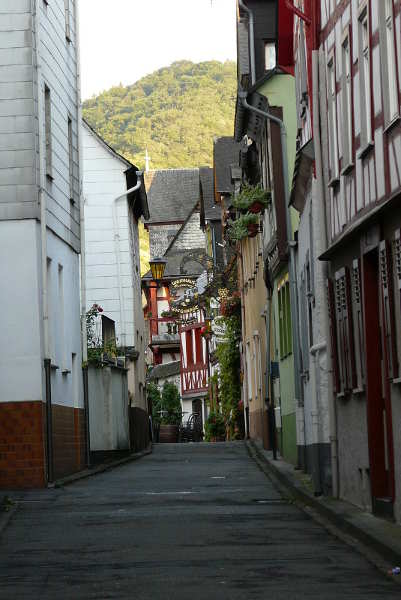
19,113
58,65
376,174
17,140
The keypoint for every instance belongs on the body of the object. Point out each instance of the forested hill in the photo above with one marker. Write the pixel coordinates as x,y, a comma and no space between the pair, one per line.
174,113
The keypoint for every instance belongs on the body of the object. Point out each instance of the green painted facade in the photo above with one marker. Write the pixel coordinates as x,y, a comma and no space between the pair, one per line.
280,91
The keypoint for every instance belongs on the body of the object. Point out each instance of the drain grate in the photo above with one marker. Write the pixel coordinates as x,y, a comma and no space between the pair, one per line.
269,501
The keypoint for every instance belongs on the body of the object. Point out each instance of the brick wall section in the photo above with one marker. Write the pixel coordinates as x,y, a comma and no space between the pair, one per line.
80,438
22,445
68,440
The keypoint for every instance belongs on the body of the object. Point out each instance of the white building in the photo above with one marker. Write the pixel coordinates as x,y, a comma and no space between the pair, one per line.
40,345
113,278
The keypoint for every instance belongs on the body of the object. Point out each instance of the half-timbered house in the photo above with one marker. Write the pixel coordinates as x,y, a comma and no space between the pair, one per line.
360,75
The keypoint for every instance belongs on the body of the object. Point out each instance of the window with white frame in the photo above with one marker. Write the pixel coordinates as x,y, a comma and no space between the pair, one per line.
346,85
364,78
248,370
332,115
270,55
48,132
70,158
67,20
388,61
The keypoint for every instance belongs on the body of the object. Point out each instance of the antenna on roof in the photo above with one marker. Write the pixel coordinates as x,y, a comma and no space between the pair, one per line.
147,161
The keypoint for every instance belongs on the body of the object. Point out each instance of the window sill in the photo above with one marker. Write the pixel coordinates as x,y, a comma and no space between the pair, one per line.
66,371
54,367
346,170
396,121
365,150
397,381
358,391
334,182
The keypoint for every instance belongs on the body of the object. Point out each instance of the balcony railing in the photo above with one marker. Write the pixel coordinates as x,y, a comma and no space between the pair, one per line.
163,329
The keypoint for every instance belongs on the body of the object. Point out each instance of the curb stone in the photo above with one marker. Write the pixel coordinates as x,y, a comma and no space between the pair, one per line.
382,555
99,469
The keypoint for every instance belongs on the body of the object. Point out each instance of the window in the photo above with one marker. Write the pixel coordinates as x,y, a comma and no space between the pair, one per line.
347,103
48,132
70,159
345,331
388,62
248,370
67,20
364,79
332,115
270,55
285,327
61,317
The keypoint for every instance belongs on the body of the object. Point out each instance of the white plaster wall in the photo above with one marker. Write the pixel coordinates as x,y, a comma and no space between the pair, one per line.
64,323
316,386
108,409
20,339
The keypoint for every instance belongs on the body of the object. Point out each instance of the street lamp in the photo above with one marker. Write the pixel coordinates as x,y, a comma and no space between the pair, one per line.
157,266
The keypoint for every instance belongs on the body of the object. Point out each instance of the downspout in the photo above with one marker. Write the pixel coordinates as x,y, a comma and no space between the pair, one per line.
315,352
251,39
43,248
82,239
321,209
242,95
118,257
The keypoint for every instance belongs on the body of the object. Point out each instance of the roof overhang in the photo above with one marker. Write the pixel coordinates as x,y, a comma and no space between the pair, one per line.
302,171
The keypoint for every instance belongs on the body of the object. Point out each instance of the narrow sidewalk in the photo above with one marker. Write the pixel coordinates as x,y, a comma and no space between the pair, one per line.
381,536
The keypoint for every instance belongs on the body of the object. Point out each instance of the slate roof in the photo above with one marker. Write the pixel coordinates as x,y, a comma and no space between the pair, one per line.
165,370
209,209
225,153
171,194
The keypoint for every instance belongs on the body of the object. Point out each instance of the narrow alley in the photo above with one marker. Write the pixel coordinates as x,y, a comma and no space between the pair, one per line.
188,521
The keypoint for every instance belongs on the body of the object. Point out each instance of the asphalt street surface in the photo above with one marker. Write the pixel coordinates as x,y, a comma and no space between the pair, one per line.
190,521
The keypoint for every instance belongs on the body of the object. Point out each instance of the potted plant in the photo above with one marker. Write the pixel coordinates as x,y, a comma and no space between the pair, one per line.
253,199
167,413
245,226
215,427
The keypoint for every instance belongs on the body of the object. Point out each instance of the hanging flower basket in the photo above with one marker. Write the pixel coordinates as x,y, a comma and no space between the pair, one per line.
252,199
253,229
245,226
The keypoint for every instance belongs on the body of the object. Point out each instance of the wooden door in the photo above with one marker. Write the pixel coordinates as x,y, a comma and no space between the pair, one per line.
380,434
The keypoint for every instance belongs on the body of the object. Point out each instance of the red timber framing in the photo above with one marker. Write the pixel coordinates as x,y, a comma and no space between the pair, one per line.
379,414
194,360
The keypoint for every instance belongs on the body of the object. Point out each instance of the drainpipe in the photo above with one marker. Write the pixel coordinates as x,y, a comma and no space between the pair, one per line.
315,352
82,239
251,39
321,211
118,256
292,245
43,247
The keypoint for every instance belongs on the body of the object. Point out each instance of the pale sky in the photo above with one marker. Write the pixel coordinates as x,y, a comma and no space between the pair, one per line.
123,40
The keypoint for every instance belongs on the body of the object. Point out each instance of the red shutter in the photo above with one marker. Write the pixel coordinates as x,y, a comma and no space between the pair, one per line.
333,335
345,330
386,280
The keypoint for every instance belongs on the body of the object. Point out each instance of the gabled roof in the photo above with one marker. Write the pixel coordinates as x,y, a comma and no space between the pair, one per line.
171,194
226,152
109,149
210,211
165,370
132,174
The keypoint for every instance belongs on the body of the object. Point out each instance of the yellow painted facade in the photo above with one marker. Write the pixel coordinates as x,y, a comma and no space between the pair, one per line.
254,300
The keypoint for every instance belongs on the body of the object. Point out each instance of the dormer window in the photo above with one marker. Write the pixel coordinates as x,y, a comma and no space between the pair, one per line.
270,55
